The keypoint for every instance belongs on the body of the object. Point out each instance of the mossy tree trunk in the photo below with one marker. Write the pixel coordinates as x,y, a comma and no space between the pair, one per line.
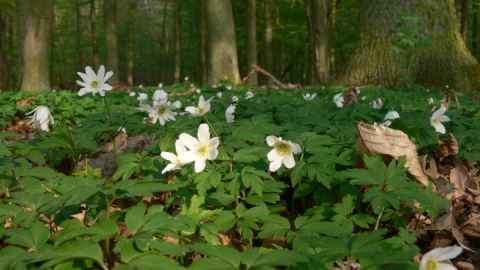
444,61
251,37
319,32
268,50
36,47
110,14
223,62
93,31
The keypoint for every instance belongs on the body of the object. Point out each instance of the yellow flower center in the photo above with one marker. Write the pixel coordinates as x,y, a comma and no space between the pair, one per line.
203,150
94,84
162,110
283,148
199,109
432,264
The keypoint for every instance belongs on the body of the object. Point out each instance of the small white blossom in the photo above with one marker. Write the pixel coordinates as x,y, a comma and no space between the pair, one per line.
41,118
430,100
437,118
94,82
142,97
132,94
219,94
186,78
389,117
234,99
249,95
309,97
282,153
162,112
436,258
363,98
160,85
177,160
377,104
229,87
202,148
338,99
159,96
229,113
202,108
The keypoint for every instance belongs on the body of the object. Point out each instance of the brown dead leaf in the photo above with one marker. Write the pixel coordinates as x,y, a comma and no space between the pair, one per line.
381,140
448,147
445,102
351,96
224,239
25,101
171,240
460,179
432,171
465,266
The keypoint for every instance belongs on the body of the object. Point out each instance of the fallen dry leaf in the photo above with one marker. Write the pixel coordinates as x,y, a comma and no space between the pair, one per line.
25,101
445,102
351,96
448,147
381,140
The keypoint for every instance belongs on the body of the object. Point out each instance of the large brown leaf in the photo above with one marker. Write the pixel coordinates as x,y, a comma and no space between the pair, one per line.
381,140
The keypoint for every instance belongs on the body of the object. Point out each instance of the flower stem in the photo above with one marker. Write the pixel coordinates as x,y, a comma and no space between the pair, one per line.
109,118
378,221
210,124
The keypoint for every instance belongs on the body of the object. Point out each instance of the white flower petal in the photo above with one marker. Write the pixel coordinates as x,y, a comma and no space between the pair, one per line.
203,133
189,141
275,165
199,165
271,140
289,161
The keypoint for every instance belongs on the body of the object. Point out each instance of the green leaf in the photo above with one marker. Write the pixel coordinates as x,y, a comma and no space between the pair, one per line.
249,154
34,237
135,217
155,262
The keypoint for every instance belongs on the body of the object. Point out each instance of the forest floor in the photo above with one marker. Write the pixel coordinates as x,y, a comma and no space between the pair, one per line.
301,179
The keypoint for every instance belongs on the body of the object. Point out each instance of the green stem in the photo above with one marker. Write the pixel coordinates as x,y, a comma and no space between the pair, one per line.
109,118
210,124
378,221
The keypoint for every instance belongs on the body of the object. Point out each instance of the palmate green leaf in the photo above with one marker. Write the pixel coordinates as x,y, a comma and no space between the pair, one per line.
9,210
154,261
68,251
249,154
4,152
211,264
128,163
221,253
135,217
274,226
259,258
129,188
12,258
74,228
34,237
207,180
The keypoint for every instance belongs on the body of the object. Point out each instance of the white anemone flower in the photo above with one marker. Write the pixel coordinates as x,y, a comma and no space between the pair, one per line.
202,148
219,94
430,100
142,97
338,99
159,96
309,97
94,83
437,118
377,103
282,153
435,258
177,160
160,85
132,94
389,117
162,112
229,113
234,99
202,108
41,118
249,95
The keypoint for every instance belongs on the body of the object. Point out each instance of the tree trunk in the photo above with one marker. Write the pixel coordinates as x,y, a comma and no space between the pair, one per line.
223,62
203,43
109,14
320,40
475,28
333,31
445,61
464,20
93,30
251,29
268,38
178,44
3,39
132,7
163,42
36,46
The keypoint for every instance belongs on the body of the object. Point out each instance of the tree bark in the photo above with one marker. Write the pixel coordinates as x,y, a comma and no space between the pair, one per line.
223,62
132,7
251,36
36,48
333,27
93,31
109,14
464,20
163,42
445,61
178,44
3,39
268,38
320,40
203,43
475,28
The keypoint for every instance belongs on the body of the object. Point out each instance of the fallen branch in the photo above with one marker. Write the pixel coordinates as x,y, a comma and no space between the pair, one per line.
275,81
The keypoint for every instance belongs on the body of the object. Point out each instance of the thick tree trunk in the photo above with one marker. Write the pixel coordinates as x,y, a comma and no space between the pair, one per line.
320,40
109,14
445,61
475,28
3,62
93,31
203,43
464,20
132,7
36,48
268,38
251,36
223,62
333,31
163,42
178,44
